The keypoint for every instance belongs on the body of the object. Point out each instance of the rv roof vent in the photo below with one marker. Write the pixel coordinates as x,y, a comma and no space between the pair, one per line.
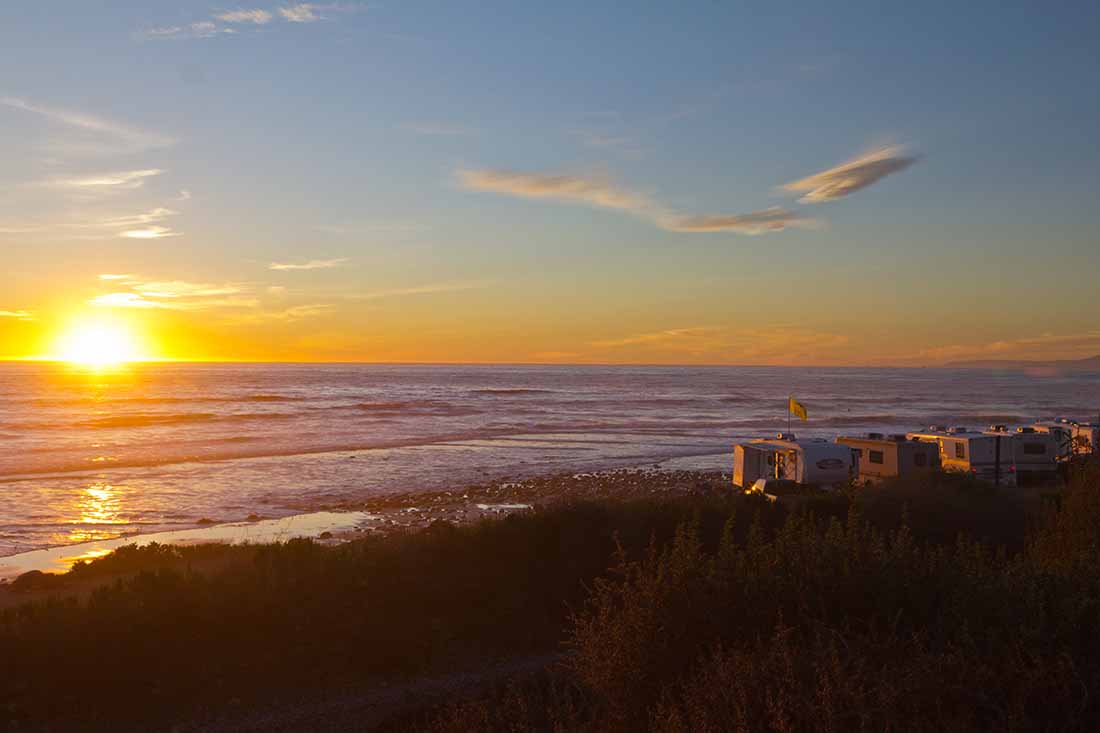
898,437
1025,430
957,429
785,436
937,428
874,436
998,428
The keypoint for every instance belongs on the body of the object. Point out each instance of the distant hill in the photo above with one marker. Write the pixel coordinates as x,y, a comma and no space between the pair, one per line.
1090,364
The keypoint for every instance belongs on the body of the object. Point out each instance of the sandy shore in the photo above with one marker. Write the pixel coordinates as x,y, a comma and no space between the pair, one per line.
403,512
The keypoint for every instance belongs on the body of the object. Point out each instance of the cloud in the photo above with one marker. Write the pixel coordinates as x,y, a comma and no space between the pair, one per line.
1044,346
288,315
847,178
199,29
17,315
184,195
662,338
257,16
300,13
422,290
178,295
113,137
602,193
311,265
772,219
121,180
150,232
149,217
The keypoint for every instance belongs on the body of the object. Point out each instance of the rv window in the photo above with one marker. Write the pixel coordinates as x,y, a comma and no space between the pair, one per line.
920,459
960,449
875,456
1035,449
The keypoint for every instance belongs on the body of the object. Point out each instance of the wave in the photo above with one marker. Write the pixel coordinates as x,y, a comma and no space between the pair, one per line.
141,421
99,401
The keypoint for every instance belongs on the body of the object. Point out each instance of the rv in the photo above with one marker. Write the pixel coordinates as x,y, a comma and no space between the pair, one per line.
988,456
881,456
1062,432
809,462
1034,454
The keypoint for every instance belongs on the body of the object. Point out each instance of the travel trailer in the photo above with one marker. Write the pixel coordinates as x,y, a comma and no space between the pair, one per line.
1086,438
988,456
814,462
881,456
1062,431
1034,454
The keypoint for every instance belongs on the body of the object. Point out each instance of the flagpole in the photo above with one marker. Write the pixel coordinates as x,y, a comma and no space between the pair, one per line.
788,414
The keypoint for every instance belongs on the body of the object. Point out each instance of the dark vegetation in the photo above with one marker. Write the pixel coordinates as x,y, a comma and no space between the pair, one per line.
887,611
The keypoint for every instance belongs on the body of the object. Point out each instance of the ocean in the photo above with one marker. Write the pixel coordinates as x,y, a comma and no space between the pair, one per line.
154,447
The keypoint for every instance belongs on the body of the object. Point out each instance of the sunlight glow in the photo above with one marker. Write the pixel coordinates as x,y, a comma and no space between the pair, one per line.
98,343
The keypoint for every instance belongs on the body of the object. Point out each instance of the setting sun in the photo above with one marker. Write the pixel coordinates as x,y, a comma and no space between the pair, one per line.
98,344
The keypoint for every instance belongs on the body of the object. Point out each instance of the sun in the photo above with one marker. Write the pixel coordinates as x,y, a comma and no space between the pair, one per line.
98,344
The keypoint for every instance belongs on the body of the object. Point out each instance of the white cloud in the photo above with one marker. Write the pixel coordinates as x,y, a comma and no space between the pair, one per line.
655,338
119,180
177,295
124,300
111,137
110,276
256,16
149,217
602,193
17,315
150,232
184,195
300,13
311,265
852,176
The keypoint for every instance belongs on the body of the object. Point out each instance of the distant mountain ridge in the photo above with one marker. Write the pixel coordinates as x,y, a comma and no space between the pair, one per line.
1088,364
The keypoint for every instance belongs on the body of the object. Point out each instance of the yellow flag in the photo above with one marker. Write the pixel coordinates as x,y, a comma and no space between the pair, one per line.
798,408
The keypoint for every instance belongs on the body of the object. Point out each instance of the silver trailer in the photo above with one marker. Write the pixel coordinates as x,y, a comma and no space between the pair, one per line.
815,462
988,456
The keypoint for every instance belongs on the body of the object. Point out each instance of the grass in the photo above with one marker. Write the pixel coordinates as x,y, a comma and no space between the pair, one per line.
675,614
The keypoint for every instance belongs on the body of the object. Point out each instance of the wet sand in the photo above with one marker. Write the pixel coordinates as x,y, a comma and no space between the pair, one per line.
405,512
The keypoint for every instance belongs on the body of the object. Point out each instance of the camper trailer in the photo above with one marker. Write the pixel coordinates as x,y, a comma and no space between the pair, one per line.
988,456
814,462
1062,432
1034,454
881,456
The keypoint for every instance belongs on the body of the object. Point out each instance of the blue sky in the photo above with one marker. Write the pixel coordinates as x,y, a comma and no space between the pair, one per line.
573,182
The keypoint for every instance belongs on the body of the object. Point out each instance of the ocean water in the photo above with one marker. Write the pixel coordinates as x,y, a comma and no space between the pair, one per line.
90,455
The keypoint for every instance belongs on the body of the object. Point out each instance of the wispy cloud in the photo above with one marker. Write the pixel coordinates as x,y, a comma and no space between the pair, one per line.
120,180
198,29
422,290
17,315
1077,345
852,176
184,195
602,193
288,315
300,13
149,217
112,276
176,295
311,265
255,16
672,335
150,232
111,137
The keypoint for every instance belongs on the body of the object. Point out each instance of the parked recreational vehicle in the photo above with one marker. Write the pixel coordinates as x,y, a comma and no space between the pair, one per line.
989,456
1034,454
816,462
881,456
1062,431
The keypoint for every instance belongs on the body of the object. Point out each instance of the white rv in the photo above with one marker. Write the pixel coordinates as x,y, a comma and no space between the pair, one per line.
1062,431
1086,438
988,456
1034,454
1074,438
814,462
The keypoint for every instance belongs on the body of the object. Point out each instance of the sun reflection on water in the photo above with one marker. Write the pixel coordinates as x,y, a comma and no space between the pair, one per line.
99,504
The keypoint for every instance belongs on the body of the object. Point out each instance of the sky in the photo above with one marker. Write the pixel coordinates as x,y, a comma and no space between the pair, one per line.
704,183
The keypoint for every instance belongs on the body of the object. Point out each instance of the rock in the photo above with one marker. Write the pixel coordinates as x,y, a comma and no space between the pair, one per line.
206,520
